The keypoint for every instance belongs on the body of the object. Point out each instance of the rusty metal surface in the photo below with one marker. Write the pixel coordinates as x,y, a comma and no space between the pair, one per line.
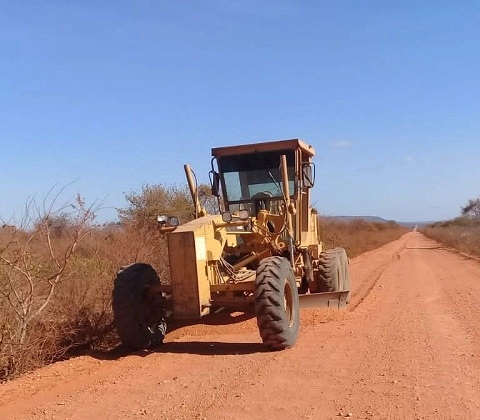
264,147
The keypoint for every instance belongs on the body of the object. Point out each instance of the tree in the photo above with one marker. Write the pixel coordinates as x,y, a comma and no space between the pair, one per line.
472,209
58,224
153,200
207,200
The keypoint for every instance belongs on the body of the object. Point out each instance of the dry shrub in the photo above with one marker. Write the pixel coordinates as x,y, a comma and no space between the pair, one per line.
79,316
35,262
48,340
56,273
462,233
358,235
125,245
85,304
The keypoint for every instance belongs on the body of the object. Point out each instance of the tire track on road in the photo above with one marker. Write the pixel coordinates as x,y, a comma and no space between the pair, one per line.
365,287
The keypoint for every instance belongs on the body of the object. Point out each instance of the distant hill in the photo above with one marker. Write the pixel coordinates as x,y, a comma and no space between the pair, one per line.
377,219
413,224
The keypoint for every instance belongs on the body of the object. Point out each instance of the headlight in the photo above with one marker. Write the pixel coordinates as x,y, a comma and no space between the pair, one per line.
227,216
168,220
243,214
162,219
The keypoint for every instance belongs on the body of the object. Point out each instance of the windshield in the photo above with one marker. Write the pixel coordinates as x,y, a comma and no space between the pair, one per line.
254,174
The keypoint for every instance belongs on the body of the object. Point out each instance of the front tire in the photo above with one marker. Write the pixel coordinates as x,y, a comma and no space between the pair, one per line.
343,259
138,315
276,303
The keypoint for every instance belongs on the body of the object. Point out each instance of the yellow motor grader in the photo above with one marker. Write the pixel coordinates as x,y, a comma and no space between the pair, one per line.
262,251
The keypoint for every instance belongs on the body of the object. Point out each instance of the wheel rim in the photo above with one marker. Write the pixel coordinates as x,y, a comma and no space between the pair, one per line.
288,300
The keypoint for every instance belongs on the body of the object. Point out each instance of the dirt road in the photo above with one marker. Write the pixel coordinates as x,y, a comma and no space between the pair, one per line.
408,347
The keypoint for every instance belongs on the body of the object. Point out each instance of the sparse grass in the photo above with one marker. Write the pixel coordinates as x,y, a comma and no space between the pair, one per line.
462,233
358,236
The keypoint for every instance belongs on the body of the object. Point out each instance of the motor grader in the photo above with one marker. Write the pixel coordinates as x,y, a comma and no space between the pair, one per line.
261,251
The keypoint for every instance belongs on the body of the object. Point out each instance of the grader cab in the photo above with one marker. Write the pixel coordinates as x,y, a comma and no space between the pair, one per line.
262,251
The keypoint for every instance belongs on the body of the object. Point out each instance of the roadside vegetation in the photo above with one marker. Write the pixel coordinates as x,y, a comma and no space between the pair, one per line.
57,266
461,233
56,272
359,235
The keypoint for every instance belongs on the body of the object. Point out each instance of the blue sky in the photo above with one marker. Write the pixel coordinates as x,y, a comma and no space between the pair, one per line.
111,95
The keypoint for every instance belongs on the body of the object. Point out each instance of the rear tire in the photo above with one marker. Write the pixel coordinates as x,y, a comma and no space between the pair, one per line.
276,303
343,258
138,316
329,276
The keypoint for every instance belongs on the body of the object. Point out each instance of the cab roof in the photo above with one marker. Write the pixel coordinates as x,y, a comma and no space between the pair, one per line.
269,146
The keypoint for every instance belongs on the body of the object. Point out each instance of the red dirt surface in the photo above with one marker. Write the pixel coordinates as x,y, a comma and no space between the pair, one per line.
407,347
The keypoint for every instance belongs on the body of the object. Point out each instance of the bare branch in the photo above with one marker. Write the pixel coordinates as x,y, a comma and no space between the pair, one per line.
49,243
45,302
35,261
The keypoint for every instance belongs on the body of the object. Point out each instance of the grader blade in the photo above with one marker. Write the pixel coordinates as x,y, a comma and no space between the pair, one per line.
335,300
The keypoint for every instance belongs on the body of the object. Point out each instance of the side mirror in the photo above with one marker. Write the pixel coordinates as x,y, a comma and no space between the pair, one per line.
215,183
308,174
